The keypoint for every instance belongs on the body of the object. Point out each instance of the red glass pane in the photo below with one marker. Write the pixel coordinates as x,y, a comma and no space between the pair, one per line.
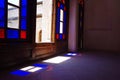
2,33
81,2
64,8
63,36
57,36
23,35
58,4
63,1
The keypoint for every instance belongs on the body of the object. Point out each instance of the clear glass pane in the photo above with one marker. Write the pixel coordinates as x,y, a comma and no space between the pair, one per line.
13,17
61,15
15,2
61,27
39,9
39,0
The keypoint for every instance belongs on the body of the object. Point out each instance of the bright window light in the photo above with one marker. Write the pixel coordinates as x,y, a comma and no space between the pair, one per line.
61,15
44,21
15,2
39,0
61,27
27,68
57,59
35,69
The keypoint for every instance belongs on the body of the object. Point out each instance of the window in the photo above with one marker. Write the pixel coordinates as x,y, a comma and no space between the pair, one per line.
44,21
16,26
61,20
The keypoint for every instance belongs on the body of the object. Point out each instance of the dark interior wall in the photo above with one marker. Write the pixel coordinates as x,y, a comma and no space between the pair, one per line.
102,25
11,54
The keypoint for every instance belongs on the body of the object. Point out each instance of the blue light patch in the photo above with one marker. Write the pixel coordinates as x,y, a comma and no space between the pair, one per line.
70,54
40,65
12,34
20,73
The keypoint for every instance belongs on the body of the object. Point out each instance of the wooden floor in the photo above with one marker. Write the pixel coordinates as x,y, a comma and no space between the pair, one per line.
84,66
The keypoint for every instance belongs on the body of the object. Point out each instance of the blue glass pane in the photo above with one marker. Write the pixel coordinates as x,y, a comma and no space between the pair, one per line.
23,11
61,6
12,34
24,2
61,36
2,3
58,21
20,73
65,21
23,24
24,14
2,13
2,24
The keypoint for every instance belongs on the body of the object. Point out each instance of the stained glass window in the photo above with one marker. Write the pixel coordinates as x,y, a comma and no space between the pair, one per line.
16,26
61,20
